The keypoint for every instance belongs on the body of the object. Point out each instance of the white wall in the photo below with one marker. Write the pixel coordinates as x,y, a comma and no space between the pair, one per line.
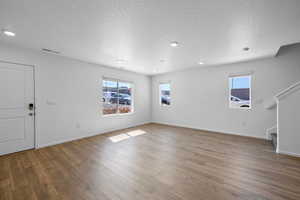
200,96
289,123
75,88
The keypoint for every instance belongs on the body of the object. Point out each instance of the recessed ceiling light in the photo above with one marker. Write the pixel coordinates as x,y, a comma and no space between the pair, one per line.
174,44
246,49
9,33
201,63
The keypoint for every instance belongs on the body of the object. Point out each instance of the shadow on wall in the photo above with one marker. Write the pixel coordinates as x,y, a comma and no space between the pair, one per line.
285,49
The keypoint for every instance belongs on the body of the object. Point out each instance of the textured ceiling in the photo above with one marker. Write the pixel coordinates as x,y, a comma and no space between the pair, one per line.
140,31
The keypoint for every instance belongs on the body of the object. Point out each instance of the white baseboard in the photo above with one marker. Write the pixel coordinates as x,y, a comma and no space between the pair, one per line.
89,135
139,124
289,153
210,130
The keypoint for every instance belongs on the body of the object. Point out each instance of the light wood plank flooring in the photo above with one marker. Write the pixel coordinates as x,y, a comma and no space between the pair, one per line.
152,162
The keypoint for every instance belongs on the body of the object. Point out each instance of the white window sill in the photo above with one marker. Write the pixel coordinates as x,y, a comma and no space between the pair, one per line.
117,114
240,108
164,106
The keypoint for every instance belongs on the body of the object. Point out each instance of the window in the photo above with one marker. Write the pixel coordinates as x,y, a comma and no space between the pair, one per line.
165,94
240,92
116,97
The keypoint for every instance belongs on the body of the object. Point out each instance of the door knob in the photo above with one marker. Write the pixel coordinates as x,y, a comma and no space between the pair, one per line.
30,114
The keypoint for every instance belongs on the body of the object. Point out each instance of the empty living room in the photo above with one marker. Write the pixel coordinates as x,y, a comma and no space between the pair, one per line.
150,100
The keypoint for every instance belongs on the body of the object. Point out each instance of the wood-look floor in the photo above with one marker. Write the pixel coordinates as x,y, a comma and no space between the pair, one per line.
165,163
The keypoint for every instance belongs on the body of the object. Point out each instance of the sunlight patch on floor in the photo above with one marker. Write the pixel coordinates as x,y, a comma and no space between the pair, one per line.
119,138
125,136
136,133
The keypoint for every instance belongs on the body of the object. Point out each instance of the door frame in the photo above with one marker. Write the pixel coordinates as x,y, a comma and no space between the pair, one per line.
34,97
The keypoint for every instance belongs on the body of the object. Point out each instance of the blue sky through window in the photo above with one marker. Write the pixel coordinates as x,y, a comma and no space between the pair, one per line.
239,82
108,83
165,86
124,85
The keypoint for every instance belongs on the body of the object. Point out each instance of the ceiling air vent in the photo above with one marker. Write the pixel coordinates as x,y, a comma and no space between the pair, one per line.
50,51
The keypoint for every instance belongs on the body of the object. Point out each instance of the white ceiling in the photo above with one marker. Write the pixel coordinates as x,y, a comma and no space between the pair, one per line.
140,31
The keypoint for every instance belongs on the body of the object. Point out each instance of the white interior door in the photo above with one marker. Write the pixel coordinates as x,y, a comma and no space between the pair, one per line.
16,108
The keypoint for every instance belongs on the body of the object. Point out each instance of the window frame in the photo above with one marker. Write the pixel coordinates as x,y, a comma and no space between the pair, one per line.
250,91
132,97
159,91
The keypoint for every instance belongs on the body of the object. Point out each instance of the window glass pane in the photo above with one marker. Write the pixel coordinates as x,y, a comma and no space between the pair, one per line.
110,97
240,92
165,93
125,97
240,82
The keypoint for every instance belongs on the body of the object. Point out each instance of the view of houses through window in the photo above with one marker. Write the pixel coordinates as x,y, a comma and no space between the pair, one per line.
165,94
117,97
240,92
